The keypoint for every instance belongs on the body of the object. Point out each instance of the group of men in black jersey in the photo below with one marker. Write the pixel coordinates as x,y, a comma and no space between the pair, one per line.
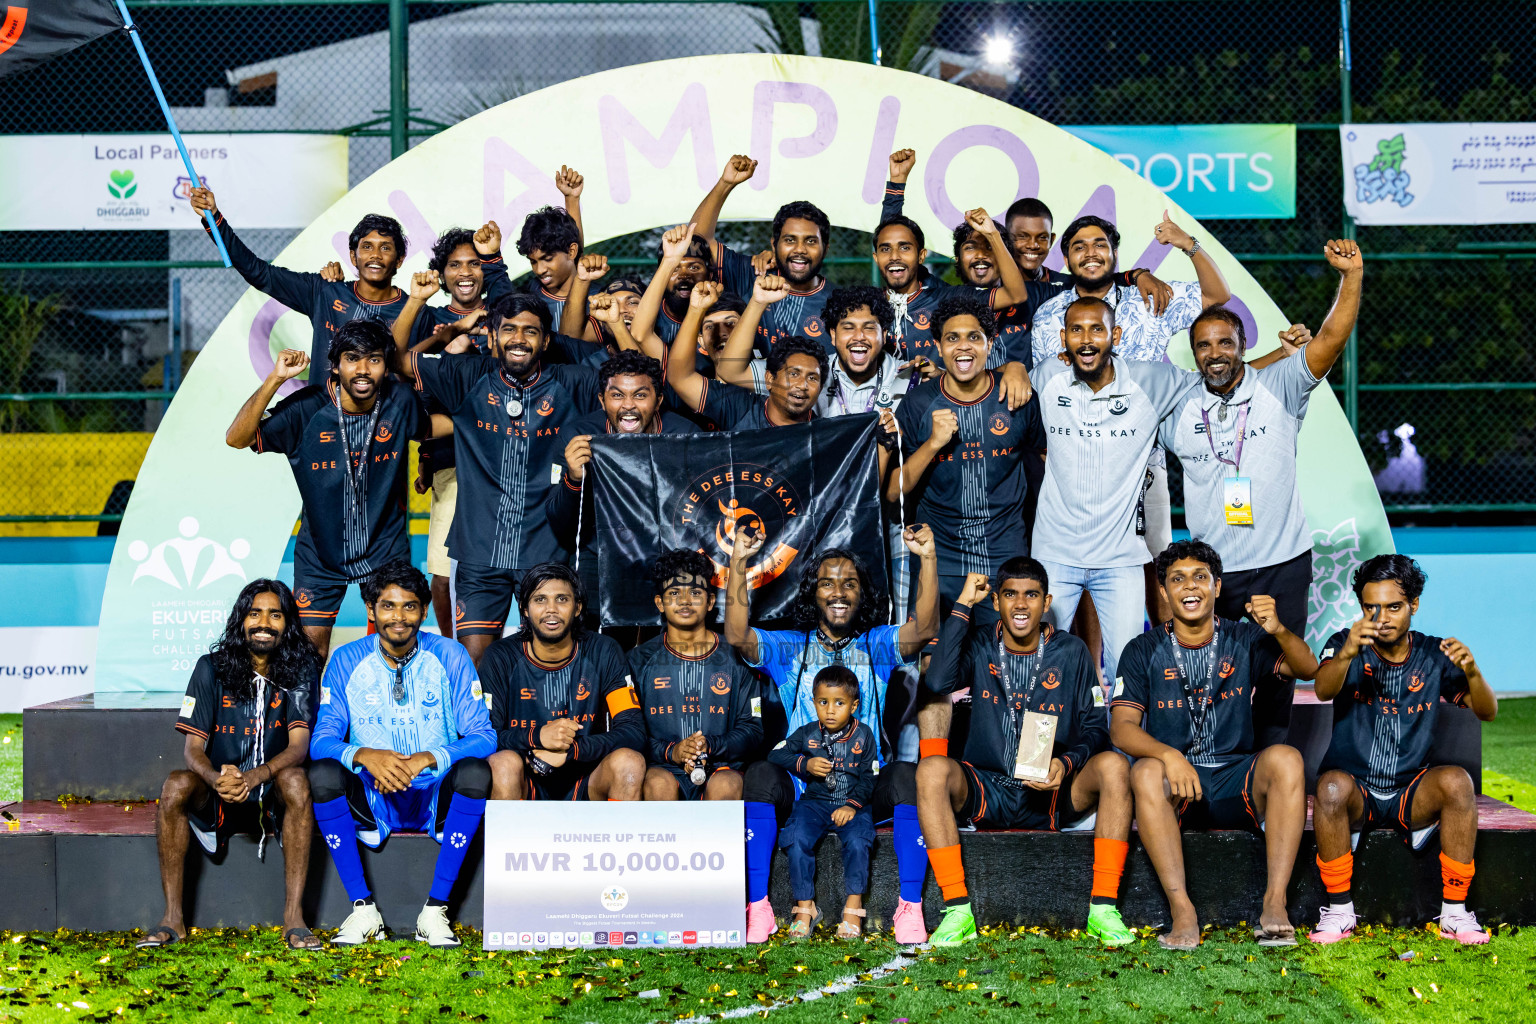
978,707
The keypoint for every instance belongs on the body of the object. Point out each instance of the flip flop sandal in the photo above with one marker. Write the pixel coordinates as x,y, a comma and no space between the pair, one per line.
849,930
800,929
1162,940
151,942
1267,938
301,934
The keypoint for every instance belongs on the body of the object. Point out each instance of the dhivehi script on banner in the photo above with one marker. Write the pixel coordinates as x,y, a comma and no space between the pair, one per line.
138,182
1453,173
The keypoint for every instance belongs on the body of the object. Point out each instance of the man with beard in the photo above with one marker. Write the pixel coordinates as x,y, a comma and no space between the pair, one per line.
377,249
247,717
798,241
1183,707
836,616
512,415
346,444
965,455
1101,416
1386,681
794,372
562,703
702,706
1236,440
467,266
399,690
983,269
683,259
1019,668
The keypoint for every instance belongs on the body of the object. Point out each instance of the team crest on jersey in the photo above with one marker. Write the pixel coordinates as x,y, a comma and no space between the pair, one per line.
922,322
546,407
1416,683
813,328
1000,424
1118,407
858,748
582,693
1051,680
741,495
1227,668
720,685
385,432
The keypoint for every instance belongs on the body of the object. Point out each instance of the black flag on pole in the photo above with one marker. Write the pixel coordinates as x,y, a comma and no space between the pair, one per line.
35,31
809,487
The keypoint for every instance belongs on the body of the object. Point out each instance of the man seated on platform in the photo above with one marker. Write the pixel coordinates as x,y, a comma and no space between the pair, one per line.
562,704
400,743
1386,681
247,717
1183,704
703,707
1036,706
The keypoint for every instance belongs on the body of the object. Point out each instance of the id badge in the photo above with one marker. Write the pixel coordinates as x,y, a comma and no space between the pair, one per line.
1037,738
1238,501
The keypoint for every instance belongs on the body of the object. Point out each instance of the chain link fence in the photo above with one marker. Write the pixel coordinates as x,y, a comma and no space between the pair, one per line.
97,329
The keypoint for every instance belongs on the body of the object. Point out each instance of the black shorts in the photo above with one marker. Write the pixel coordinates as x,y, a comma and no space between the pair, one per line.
483,598
317,589
1226,797
558,785
1393,809
686,789
214,820
994,800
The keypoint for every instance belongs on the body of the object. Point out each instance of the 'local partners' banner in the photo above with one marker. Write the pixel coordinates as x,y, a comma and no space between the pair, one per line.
1228,171
808,487
1456,173
138,182
613,874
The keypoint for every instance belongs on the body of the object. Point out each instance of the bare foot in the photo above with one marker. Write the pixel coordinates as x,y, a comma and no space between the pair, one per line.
1184,933
1276,925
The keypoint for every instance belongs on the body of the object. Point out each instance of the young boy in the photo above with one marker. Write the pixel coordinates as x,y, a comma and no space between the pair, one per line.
1387,680
835,757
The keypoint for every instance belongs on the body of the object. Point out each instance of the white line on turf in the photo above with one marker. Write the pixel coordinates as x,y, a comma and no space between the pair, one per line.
841,985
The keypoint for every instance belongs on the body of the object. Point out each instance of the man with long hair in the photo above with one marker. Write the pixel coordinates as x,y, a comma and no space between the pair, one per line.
400,743
247,717
837,615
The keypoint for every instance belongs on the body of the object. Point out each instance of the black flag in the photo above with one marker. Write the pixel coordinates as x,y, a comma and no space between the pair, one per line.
809,487
35,31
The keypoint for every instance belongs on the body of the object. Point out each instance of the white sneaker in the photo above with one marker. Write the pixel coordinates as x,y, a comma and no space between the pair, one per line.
432,927
365,923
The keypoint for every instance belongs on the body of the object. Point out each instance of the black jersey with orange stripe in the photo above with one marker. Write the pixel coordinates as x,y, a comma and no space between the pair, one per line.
232,724
1384,717
715,693
591,687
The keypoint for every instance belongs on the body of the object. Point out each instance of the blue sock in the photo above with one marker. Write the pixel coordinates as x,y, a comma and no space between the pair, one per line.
911,858
762,836
339,833
459,827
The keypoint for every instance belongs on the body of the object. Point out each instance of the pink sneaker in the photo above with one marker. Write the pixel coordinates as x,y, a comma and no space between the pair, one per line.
1333,925
908,923
760,921
1463,927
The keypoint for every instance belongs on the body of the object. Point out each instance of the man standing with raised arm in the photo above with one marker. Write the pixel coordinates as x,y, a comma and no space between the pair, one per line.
1236,440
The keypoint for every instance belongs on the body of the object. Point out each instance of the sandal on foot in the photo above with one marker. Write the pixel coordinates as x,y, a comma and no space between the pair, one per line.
1265,937
154,939
805,922
301,934
851,929
1178,947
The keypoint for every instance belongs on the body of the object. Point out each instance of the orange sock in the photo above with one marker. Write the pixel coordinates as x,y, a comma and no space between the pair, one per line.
932,748
1337,873
1108,866
949,872
1454,876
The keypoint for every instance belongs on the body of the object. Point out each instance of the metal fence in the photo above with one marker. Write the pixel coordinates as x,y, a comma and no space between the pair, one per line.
96,329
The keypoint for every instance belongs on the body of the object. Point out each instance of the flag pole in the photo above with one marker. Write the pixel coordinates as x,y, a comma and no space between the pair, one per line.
170,122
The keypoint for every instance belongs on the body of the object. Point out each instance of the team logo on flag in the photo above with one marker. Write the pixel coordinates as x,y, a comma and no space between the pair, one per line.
764,502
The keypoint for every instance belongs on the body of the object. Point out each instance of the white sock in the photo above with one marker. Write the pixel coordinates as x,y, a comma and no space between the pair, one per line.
1452,908
1344,908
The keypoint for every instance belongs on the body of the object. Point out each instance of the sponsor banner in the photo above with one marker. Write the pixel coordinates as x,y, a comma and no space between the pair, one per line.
1225,171
128,182
1454,173
805,487
650,139
39,664
653,875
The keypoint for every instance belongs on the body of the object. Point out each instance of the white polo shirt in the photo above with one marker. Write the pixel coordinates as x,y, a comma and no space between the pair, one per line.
1276,402
1096,458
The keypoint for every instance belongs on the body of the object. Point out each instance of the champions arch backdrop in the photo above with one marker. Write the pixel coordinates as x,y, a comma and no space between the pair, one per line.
651,139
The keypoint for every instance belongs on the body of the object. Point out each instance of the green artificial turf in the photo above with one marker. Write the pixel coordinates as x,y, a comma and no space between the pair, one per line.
10,758
1509,741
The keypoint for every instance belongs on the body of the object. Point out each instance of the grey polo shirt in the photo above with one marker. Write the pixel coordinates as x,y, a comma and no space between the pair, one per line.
1096,458
1276,399
864,397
